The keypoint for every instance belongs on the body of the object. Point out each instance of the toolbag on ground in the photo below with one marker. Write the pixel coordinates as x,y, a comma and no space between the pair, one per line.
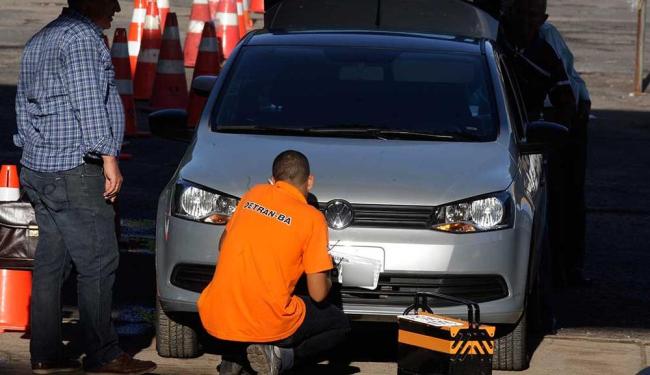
431,344
18,235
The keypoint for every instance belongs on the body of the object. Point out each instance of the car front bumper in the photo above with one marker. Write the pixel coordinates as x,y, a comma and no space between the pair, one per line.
431,254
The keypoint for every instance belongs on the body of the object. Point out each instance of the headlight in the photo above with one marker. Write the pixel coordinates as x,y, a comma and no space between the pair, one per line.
198,203
485,213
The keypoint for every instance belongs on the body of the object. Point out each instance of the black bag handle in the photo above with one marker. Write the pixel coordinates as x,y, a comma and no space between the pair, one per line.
420,302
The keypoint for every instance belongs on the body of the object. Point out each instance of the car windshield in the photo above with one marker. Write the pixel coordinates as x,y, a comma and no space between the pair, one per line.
358,92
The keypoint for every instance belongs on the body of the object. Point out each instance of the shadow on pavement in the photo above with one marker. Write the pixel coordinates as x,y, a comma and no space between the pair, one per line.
618,231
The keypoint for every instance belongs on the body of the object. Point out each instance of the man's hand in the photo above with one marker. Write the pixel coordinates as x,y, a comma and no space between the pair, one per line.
113,177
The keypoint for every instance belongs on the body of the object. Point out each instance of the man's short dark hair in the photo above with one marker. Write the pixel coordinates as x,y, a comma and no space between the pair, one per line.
291,166
76,4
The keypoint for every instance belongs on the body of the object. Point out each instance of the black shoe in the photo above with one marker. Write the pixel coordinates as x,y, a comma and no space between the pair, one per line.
59,367
123,364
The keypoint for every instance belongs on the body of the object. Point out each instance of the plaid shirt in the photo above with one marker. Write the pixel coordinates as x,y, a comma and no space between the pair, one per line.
67,104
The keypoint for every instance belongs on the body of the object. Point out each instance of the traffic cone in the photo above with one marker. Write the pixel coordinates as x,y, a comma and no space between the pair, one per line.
120,58
207,63
257,6
248,23
145,71
15,293
240,18
227,25
212,6
170,86
200,15
9,183
163,9
135,33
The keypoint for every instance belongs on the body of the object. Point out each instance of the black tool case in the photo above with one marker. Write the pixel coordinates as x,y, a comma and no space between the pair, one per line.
431,344
18,235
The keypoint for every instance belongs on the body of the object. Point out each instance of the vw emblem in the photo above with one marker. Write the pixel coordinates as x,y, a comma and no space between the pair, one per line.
339,214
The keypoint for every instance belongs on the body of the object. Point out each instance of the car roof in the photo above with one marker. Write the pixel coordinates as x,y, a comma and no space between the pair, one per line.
366,38
448,17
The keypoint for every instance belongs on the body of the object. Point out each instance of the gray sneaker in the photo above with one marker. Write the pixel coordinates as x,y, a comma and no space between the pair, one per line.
232,368
264,359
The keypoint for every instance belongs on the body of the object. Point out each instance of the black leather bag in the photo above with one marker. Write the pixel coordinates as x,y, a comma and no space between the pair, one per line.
18,235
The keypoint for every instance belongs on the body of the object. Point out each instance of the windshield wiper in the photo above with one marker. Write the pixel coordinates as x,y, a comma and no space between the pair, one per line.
348,129
260,129
353,129
446,136
415,135
465,136
387,133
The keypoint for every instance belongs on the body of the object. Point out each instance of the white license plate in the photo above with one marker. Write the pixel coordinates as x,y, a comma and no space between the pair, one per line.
358,266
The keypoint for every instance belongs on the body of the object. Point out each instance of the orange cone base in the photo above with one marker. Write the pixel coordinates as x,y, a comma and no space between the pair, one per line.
15,293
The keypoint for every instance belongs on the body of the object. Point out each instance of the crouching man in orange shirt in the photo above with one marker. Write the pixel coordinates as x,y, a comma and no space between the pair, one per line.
273,237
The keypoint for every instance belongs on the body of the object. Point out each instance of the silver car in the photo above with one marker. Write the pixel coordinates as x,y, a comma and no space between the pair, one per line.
423,159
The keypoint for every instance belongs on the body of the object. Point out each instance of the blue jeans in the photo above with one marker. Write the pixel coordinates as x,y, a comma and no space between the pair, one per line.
76,225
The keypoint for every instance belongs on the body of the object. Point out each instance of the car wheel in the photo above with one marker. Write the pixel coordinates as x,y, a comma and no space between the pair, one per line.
510,350
175,339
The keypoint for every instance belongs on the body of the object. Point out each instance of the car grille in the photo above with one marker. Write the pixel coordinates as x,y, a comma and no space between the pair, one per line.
391,216
399,289
393,288
194,277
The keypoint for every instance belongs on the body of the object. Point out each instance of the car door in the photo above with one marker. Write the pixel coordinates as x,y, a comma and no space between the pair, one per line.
531,167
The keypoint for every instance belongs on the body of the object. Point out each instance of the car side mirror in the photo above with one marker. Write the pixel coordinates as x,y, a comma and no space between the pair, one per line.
170,124
202,85
544,136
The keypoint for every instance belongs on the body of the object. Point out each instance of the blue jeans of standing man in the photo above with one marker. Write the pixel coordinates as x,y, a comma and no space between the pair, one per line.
76,224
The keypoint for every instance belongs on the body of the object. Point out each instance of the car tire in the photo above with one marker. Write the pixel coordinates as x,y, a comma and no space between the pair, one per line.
511,350
175,339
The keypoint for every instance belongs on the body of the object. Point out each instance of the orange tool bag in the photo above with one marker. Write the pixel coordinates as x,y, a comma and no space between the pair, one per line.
431,344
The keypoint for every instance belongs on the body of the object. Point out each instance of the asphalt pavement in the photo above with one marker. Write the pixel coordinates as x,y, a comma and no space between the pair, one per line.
604,328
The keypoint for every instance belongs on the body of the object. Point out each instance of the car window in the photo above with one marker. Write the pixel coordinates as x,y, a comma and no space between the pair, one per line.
515,103
300,87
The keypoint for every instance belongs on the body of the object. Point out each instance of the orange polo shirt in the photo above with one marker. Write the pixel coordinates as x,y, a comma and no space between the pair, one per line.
273,237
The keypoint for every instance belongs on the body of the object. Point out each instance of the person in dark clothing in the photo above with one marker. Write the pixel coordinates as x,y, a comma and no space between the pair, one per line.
70,124
540,70
576,162
542,74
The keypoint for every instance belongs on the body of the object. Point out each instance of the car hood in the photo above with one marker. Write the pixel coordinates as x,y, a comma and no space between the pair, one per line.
358,170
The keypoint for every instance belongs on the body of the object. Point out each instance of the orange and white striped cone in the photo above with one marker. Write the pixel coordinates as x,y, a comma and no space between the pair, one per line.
200,15
170,86
135,32
145,72
163,9
257,6
9,183
120,58
207,63
227,26
240,18
212,6
248,23
15,294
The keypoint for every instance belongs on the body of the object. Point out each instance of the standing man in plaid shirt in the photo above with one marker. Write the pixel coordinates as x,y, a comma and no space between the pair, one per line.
70,127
